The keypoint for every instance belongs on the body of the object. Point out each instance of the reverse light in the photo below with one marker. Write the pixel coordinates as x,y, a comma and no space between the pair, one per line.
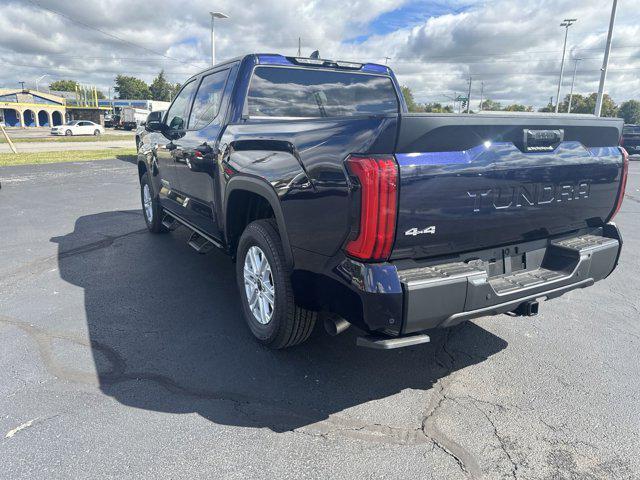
378,179
623,181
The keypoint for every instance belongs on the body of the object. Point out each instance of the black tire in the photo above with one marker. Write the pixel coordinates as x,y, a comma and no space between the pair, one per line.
68,133
290,324
154,224
96,132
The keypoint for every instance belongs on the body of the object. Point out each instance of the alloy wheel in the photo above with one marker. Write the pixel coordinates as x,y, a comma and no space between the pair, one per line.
259,285
147,203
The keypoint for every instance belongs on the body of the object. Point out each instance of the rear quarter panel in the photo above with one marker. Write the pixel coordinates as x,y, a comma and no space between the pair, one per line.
303,161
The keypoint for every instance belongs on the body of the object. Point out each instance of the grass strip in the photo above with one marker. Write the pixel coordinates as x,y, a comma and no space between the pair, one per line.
31,158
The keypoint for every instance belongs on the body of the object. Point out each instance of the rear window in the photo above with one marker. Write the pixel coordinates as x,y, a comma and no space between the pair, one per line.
298,92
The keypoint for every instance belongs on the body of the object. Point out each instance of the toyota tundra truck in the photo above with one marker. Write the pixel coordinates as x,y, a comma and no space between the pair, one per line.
333,200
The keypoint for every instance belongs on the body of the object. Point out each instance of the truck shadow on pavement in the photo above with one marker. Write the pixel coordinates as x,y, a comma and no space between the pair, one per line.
167,334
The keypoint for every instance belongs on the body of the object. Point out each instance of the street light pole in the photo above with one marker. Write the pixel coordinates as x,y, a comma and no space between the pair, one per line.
214,15
573,82
38,81
605,62
566,24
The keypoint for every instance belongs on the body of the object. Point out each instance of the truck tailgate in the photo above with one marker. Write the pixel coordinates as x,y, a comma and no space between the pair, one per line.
474,181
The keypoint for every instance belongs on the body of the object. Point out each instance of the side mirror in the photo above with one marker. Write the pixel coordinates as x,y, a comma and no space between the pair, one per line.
154,126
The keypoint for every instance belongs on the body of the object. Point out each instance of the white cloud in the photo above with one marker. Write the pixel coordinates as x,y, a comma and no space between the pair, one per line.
502,43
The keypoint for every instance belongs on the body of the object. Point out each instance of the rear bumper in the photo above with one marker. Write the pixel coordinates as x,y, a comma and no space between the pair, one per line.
403,299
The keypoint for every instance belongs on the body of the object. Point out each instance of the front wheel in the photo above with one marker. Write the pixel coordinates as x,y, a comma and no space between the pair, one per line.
68,133
264,281
151,209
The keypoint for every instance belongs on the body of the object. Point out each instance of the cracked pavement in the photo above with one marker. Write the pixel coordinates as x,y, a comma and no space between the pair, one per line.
125,355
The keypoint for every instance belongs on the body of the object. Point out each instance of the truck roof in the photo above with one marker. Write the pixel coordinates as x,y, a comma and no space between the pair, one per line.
279,59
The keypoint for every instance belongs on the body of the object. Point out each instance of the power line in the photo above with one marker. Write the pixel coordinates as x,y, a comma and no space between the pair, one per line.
506,54
91,27
457,74
49,67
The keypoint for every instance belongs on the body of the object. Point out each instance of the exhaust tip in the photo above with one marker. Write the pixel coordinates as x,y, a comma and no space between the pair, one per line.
335,325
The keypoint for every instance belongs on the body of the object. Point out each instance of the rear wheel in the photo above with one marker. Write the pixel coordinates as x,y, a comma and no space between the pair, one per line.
264,281
151,209
96,132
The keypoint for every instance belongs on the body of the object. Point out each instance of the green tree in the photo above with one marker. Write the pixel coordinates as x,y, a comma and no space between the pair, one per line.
630,111
161,89
63,85
516,107
176,89
491,106
587,104
549,108
437,108
132,88
408,98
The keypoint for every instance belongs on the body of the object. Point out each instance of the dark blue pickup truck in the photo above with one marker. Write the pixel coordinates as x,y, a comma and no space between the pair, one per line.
333,200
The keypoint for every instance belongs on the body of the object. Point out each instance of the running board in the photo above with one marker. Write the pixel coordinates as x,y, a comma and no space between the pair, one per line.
199,243
389,343
170,223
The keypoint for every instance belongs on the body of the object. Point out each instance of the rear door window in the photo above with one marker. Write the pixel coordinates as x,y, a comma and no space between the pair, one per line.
310,93
207,102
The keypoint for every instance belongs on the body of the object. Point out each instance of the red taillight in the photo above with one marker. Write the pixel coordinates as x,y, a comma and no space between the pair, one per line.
623,181
378,179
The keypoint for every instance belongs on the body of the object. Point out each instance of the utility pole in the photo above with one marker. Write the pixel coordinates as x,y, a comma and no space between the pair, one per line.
481,94
605,63
22,83
386,59
299,47
214,15
469,96
566,24
573,82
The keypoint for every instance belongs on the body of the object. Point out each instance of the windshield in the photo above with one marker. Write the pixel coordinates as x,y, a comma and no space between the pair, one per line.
304,93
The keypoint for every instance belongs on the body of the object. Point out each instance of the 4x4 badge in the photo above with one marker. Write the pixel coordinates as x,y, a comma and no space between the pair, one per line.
415,231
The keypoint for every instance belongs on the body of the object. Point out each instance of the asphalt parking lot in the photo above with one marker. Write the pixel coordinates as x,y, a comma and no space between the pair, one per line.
124,354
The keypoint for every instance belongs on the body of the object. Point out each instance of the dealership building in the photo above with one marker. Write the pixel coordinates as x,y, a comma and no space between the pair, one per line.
28,108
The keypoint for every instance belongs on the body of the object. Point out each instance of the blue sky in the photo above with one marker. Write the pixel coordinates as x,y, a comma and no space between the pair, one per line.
411,14
513,47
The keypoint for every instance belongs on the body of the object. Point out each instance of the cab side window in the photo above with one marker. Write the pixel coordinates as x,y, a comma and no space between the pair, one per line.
177,115
207,102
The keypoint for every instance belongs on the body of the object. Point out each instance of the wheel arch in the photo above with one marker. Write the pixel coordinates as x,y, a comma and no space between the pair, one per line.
262,189
142,168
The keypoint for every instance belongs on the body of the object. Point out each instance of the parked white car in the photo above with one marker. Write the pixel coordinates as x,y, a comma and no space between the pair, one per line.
78,127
